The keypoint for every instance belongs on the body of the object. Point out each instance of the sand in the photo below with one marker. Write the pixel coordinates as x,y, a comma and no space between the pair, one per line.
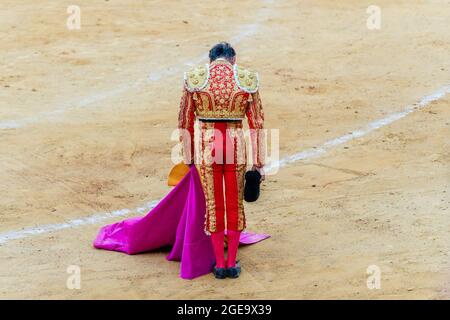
86,118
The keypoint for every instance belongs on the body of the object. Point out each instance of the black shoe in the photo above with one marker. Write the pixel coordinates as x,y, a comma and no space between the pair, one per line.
234,272
220,273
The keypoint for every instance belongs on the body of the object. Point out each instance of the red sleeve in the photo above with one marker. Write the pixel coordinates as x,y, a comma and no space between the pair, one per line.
255,116
186,118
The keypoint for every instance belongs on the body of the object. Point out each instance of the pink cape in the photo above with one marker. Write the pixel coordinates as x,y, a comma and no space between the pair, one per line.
177,221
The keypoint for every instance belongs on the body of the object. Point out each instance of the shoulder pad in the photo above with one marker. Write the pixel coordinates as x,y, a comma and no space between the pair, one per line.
247,80
197,78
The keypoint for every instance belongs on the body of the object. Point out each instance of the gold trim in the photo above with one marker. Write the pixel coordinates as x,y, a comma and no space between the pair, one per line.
247,80
197,78
240,176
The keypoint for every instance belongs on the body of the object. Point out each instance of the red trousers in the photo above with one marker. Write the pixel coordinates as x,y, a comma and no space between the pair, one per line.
223,178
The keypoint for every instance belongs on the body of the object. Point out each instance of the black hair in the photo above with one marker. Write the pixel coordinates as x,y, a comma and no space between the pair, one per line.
222,50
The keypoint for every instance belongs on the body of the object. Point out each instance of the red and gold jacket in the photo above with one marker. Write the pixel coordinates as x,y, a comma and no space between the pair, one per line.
221,91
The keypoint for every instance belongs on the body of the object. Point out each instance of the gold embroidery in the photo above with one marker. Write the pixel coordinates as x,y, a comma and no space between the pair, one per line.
240,176
197,78
255,115
220,91
220,114
207,138
247,80
205,169
186,124
207,181
202,103
217,94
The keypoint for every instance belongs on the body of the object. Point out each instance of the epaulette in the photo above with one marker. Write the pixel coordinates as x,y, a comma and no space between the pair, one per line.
247,80
197,78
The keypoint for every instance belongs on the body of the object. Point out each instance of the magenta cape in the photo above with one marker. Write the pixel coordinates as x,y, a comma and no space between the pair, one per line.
177,221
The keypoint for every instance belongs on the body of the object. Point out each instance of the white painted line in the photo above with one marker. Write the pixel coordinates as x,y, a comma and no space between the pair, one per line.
93,219
372,126
306,154
245,31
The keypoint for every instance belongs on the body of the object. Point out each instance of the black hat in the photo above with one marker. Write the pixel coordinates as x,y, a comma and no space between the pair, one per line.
252,183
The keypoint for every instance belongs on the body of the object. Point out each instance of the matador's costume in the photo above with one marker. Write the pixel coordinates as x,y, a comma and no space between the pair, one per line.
220,95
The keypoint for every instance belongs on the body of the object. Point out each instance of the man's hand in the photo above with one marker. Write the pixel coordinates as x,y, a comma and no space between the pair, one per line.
261,172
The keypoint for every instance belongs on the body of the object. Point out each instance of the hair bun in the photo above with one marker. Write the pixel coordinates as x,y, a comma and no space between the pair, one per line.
221,50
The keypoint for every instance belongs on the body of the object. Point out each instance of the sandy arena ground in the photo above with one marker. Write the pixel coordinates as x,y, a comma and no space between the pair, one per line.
86,118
